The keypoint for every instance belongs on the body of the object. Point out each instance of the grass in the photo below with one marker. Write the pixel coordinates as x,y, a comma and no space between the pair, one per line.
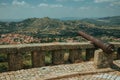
3,66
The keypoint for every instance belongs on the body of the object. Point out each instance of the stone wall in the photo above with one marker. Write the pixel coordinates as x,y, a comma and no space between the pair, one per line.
38,51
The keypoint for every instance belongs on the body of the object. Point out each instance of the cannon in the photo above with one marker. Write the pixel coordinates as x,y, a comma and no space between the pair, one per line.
106,47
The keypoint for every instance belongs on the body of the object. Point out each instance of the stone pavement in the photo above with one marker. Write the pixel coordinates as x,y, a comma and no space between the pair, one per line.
77,71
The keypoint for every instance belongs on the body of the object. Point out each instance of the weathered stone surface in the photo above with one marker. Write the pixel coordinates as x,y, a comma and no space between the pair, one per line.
38,58
22,48
48,46
15,61
116,44
78,71
58,56
75,55
89,53
102,60
118,53
43,46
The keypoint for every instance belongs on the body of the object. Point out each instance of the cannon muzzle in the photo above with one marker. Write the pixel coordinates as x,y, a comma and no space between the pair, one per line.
106,47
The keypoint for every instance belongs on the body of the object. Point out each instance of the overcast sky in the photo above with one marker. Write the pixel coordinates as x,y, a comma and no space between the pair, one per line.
21,9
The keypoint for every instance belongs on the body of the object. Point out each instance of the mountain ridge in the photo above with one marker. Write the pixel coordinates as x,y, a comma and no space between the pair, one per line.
46,26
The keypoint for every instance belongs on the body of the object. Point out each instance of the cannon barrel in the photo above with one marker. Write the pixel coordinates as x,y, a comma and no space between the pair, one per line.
107,48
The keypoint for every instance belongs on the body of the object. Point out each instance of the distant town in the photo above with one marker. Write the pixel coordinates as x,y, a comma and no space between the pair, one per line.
17,39
24,39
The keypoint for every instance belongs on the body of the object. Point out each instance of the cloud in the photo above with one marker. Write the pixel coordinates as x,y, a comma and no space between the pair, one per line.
78,0
101,1
68,0
56,5
43,5
84,8
17,3
4,4
61,0
44,0
112,3
49,5
115,3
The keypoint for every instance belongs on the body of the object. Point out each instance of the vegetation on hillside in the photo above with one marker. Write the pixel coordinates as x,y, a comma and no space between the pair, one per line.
55,28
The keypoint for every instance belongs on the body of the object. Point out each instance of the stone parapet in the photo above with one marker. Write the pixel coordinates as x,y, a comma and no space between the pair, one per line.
57,50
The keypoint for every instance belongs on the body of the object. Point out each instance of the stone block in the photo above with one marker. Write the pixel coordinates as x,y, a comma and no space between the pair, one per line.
102,60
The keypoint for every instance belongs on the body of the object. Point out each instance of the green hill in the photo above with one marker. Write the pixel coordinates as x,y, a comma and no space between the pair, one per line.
106,21
47,27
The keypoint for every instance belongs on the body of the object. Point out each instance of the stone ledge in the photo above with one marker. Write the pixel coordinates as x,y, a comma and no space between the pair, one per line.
48,46
43,46
57,72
